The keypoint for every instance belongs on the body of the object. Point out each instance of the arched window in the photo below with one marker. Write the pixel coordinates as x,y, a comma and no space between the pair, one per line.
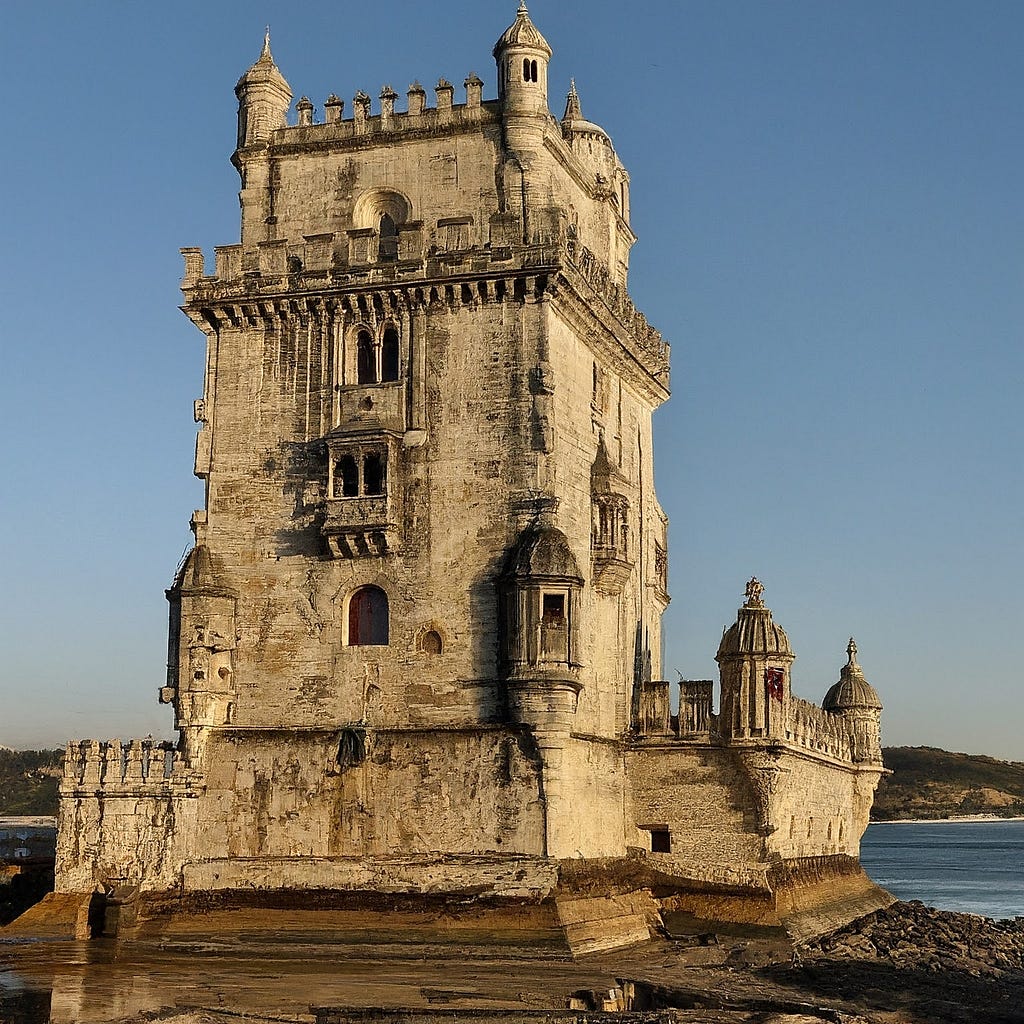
373,474
389,361
526,69
387,250
366,359
346,477
431,643
368,618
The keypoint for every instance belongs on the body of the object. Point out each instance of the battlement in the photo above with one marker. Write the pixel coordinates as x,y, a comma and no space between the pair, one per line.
145,767
444,115
336,261
813,728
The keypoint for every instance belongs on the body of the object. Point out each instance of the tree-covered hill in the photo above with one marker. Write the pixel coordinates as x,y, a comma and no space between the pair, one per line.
28,781
931,783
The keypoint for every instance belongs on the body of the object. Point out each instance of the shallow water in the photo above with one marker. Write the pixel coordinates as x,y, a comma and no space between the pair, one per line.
975,867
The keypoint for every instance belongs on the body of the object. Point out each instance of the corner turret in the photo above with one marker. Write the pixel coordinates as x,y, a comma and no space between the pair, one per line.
263,99
522,55
857,701
754,657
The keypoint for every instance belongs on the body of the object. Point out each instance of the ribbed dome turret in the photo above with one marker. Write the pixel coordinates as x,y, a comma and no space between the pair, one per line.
263,72
852,690
754,632
522,32
543,552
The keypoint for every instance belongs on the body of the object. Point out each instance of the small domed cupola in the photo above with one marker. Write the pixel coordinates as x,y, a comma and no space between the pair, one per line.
522,55
754,632
263,99
853,691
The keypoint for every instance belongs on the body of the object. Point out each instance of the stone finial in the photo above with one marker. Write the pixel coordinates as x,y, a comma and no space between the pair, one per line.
753,592
333,107
573,110
387,104
474,90
417,97
851,653
305,110
361,110
445,91
522,10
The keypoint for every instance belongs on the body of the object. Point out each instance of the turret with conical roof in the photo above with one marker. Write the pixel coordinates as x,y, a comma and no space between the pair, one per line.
522,55
263,99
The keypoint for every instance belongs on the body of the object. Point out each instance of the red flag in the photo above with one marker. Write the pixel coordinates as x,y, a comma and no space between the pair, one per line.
773,679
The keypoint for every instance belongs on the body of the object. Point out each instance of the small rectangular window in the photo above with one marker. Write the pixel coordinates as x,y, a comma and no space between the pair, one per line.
553,612
661,840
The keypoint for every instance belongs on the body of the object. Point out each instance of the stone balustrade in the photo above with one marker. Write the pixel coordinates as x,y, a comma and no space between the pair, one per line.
809,726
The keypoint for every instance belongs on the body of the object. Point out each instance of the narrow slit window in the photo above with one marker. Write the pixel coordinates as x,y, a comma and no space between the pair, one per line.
366,360
526,69
387,250
346,477
389,357
373,474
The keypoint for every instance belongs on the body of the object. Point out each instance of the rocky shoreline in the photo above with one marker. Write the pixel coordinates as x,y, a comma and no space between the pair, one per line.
908,964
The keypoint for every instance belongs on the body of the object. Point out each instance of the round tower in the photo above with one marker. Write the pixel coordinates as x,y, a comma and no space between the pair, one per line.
857,701
754,658
263,99
522,55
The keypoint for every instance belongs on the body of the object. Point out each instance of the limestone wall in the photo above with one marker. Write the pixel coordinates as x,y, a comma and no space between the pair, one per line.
702,797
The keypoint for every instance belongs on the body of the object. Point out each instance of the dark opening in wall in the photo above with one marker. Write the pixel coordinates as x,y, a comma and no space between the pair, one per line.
661,840
366,362
389,360
368,618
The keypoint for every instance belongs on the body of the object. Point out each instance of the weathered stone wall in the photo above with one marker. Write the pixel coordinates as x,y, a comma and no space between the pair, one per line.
704,799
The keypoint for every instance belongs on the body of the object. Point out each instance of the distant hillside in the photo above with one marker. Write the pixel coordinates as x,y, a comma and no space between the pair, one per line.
931,783
28,781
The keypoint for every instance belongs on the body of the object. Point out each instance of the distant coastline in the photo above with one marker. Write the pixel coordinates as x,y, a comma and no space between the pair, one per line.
959,819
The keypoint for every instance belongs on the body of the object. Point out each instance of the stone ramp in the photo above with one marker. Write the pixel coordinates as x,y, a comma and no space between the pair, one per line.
57,915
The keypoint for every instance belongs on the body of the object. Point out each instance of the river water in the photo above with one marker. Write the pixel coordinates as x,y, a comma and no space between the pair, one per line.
975,867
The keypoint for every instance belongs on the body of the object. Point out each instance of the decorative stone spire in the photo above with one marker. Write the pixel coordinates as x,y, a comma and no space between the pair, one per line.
263,99
852,691
573,110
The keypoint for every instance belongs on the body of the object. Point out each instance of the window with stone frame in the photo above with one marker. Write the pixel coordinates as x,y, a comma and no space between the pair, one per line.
374,356
368,618
359,473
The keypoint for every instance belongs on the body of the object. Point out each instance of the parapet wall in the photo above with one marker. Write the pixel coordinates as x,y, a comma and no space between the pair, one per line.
813,728
138,767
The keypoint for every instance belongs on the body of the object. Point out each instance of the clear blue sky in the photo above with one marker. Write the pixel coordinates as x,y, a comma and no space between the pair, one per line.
829,203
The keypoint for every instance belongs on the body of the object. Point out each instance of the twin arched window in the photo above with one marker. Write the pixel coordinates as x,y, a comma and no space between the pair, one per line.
378,364
529,70
357,476
368,618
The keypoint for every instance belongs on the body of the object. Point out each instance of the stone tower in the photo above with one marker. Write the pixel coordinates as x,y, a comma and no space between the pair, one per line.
416,646
426,440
